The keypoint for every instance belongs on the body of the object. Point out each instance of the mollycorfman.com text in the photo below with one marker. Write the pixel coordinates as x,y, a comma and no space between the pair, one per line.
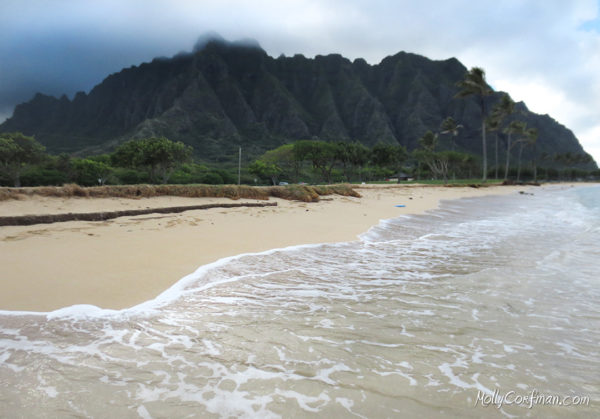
528,400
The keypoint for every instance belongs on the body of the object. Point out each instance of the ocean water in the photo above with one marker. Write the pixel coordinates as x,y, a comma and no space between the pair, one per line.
431,315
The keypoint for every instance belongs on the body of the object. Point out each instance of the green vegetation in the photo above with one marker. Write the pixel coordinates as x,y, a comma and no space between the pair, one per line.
23,161
310,161
322,155
298,120
17,152
474,84
265,169
327,98
502,110
440,162
159,156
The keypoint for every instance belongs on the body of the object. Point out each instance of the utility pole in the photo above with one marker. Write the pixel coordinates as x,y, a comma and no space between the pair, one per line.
240,167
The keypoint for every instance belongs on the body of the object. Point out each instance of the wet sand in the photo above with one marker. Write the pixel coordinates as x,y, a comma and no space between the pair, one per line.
123,262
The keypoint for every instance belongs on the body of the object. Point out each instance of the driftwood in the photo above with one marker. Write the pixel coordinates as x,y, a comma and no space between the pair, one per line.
26,220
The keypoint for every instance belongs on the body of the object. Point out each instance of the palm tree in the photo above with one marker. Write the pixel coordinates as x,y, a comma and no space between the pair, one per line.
532,136
439,162
503,109
529,138
429,141
474,84
449,126
522,143
515,127
493,124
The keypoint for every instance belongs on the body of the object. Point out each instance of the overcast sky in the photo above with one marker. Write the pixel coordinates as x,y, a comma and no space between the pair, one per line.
544,52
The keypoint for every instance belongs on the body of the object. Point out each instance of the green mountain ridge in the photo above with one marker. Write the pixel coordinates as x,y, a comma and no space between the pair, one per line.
224,95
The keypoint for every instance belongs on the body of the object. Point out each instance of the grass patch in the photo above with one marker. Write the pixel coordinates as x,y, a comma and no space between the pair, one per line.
303,193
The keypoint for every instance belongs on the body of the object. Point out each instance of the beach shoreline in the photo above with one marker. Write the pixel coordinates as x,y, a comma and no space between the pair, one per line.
120,263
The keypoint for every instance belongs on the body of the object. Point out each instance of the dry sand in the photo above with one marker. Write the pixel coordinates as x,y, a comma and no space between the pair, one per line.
126,261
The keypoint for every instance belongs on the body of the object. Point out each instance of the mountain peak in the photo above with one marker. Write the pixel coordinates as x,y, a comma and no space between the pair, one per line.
213,38
228,93
247,42
209,37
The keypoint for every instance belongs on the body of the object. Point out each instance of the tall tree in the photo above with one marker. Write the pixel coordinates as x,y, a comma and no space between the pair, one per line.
493,125
450,126
516,128
439,162
353,156
359,157
502,110
285,158
159,155
88,172
16,152
321,154
526,136
264,169
474,84
390,156
532,136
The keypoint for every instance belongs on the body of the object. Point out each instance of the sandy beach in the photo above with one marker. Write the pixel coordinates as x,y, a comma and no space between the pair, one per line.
123,262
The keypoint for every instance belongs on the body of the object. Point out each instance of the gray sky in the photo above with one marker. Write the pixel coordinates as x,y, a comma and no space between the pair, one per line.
544,52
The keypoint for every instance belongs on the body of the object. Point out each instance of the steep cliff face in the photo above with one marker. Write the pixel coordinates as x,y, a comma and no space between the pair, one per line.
227,94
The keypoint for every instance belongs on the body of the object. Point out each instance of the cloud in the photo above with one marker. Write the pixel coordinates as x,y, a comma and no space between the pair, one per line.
544,53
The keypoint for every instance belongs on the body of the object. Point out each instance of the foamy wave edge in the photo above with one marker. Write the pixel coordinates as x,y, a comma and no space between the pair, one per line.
150,307
178,289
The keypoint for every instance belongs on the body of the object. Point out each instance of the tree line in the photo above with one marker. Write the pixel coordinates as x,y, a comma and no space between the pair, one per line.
24,161
355,162
158,160
320,161
502,118
317,161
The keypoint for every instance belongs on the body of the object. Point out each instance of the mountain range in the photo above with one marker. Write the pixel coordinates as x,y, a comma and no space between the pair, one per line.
224,95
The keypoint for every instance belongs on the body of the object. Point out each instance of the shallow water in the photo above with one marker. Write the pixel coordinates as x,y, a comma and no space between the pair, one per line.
424,315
